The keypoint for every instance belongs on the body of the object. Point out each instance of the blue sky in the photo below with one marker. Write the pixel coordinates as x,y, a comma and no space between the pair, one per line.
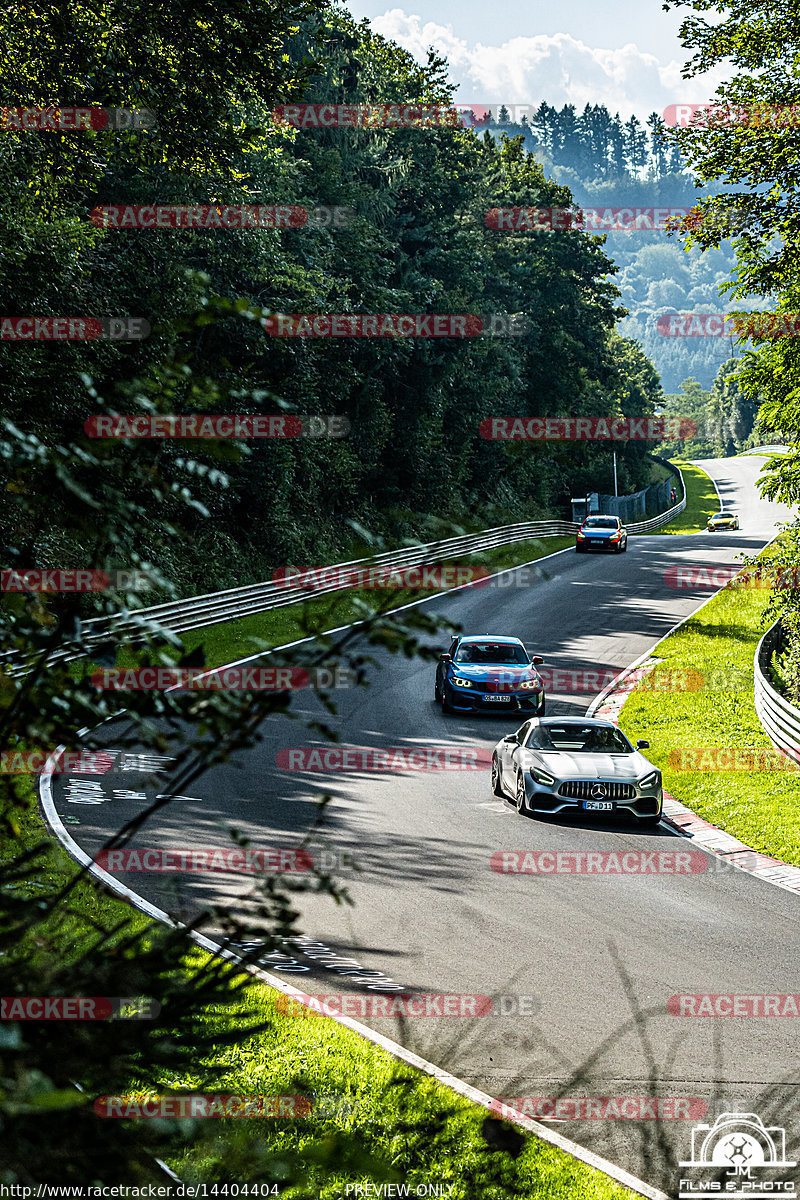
625,54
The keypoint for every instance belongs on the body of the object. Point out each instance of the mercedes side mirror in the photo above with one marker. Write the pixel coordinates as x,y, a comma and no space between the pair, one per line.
510,737
640,745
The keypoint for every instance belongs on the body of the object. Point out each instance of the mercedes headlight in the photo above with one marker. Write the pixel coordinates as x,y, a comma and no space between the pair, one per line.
539,776
651,780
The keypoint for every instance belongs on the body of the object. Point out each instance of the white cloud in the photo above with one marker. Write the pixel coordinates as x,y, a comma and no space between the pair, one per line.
559,69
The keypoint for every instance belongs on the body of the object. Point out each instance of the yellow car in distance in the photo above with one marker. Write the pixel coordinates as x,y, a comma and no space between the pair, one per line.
723,520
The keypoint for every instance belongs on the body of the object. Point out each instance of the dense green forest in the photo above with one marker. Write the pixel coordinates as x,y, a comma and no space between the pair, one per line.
607,162
418,244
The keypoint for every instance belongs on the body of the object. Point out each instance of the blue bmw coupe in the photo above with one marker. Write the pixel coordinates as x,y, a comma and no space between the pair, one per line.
484,673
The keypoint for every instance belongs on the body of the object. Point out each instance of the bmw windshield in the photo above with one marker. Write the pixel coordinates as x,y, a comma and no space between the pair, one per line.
492,654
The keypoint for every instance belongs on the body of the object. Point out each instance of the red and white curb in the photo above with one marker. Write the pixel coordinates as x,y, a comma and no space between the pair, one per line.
724,845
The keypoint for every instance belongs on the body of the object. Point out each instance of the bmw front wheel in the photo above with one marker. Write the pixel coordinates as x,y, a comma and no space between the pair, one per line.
497,786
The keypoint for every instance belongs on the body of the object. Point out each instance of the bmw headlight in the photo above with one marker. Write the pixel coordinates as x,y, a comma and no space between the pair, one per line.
529,683
651,780
461,682
539,776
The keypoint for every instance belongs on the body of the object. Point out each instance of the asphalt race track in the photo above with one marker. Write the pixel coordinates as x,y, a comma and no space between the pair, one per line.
431,914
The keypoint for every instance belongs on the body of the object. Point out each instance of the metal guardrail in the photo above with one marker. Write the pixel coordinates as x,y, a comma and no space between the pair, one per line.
756,449
197,612
780,719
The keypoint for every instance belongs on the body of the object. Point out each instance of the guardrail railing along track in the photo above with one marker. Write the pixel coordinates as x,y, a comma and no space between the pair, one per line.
780,719
198,612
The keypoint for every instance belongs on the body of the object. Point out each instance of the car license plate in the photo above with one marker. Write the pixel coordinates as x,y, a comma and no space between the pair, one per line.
597,541
498,699
599,805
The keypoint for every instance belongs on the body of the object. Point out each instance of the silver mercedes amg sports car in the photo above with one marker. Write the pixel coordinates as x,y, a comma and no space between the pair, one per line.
576,764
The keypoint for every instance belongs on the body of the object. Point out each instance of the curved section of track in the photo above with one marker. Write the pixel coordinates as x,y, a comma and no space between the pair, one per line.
574,955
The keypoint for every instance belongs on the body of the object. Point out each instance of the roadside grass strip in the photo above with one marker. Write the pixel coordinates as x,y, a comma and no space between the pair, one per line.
426,1136
701,501
759,806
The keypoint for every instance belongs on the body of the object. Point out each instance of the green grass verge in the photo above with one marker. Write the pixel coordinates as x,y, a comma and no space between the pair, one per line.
429,1134
701,501
762,807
